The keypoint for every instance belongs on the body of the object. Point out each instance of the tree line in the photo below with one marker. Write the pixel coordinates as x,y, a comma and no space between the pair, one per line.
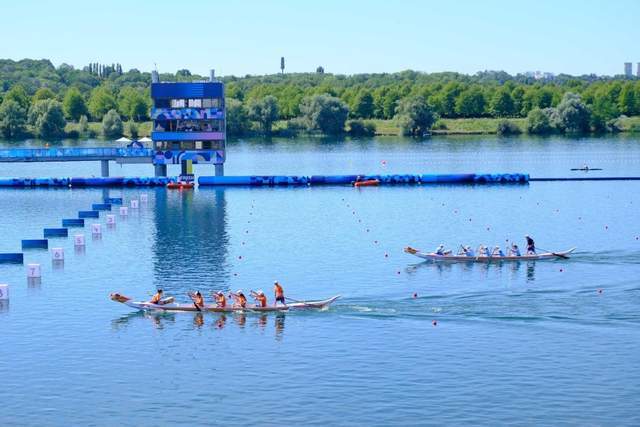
37,97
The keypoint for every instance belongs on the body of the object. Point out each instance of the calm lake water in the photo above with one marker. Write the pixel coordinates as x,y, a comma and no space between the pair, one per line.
546,343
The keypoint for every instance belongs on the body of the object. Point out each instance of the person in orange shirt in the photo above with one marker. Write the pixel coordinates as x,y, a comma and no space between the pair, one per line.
198,300
221,301
279,293
261,299
157,297
241,300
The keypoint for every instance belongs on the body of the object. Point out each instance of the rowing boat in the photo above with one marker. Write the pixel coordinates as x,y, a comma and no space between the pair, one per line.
180,185
367,183
173,306
431,256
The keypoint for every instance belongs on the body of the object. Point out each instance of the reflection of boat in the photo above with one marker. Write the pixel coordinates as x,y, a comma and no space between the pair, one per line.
180,185
367,183
172,306
463,258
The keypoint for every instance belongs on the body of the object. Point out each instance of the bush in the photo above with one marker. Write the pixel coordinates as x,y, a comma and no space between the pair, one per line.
635,128
83,125
439,125
361,128
325,113
132,129
236,115
73,134
13,119
112,124
540,121
47,117
415,116
506,128
572,115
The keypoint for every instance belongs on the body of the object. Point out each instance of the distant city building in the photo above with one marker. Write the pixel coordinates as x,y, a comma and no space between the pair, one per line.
540,75
638,69
628,69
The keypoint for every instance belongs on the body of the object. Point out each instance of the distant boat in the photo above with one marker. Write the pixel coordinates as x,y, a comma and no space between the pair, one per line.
586,168
464,258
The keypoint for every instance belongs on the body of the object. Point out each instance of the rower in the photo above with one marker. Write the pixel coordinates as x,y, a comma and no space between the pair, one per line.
279,293
466,250
198,300
440,250
241,300
531,245
157,297
497,251
483,251
514,251
221,301
261,299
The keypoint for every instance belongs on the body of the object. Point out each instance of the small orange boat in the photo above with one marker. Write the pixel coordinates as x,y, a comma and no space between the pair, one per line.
367,183
180,185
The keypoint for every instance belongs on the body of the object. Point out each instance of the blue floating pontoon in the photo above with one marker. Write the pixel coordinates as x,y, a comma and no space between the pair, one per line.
101,206
56,232
35,244
73,222
89,214
12,258
113,200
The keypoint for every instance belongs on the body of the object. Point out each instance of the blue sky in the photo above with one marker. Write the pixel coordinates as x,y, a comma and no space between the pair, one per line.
346,37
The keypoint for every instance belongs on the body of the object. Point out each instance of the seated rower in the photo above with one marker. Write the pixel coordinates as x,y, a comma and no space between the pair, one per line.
198,300
261,299
157,297
531,245
279,293
483,251
514,251
497,251
467,251
221,301
441,251
240,299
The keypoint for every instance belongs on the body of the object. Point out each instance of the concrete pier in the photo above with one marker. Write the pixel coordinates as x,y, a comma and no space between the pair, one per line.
104,168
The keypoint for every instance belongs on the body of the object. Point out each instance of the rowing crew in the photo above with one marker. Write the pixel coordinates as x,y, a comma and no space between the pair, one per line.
238,297
486,251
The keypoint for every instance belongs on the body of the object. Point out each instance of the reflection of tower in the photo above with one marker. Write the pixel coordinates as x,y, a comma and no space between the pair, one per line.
190,242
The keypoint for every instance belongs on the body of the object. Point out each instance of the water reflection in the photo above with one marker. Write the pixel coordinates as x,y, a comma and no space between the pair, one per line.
4,305
34,282
191,240
484,268
157,319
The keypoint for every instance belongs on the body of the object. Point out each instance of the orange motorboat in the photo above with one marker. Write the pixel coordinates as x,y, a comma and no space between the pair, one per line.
367,183
182,185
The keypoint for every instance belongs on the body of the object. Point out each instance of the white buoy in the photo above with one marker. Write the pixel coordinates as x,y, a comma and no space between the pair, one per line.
111,219
4,292
144,198
57,254
134,204
124,211
96,229
78,240
34,271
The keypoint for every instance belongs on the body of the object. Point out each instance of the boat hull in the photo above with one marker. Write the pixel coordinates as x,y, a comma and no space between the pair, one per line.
463,258
177,307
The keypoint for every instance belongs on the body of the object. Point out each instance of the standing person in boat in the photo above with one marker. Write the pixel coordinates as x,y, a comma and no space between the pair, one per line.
515,250
279,293
531,245
221,301
157,297
261,299
240,299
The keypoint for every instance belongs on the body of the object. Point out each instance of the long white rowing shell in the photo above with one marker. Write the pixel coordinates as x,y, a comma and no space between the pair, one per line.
431,256
171,306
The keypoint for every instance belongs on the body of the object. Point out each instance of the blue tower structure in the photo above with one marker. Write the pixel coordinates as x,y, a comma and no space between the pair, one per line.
188,124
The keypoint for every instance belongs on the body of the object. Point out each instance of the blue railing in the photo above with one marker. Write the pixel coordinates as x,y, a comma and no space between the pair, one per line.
52,154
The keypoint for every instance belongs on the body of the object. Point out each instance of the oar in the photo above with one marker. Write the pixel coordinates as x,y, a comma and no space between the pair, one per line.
294,300
554,253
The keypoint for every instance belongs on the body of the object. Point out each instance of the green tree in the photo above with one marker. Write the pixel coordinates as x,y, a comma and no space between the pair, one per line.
539,121
502,104
573,115
43,93
132,129
325,113
101,101
112,124
363,105
627,100
19,94
83,125
471,103
517,94
265,112
133,104
13,118
74,105
414,116
444,101
236,116
48,119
